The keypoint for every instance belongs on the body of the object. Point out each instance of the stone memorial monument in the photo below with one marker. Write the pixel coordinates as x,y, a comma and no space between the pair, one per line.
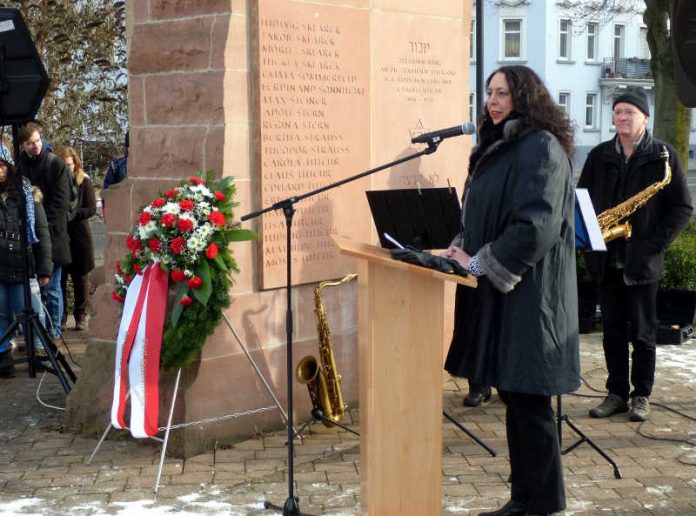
286,96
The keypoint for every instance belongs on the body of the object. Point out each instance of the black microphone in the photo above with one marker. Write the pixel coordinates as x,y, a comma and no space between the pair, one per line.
441,134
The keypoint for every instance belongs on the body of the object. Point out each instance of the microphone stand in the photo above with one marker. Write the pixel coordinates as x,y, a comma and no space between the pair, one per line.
291,506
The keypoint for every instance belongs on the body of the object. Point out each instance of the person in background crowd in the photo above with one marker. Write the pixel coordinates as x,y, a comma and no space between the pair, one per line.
118,167
518,330
47,171
81,246
628,273
13,196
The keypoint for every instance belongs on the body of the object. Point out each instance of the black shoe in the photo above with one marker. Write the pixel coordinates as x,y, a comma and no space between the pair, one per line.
477,396
512,508
7,371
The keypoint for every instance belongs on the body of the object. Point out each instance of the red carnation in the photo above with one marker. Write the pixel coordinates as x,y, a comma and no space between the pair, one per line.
185,301
195,282
178,275
144,218
186,205
127,278
178,245
184,225
217,218
137,269
212,251
154,245
130,242
168,220
158,203
219,196
119,270
116,297
172,194
195,180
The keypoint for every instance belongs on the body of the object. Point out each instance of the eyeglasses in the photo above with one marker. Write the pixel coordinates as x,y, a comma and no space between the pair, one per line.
626,112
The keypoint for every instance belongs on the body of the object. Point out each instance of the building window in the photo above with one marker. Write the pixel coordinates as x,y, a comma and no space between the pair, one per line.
590,110
564,39
643,48
512,39
619,37
472,42
472,107
564,101
592,41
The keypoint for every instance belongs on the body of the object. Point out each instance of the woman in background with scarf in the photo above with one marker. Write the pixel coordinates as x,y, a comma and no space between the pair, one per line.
14,198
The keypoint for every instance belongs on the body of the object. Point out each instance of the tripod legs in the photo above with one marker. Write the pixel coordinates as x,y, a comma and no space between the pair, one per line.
32,326
318,415
469,433
560,419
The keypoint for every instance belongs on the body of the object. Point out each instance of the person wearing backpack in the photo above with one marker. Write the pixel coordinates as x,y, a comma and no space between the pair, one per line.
81,246
47,171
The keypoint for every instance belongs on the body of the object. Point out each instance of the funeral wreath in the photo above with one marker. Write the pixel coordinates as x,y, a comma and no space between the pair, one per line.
187,231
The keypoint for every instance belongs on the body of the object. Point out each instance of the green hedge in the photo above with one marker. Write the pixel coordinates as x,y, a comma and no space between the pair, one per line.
680,261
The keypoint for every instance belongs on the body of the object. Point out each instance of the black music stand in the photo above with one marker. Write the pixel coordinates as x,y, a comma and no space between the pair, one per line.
560,419
23,85
424,218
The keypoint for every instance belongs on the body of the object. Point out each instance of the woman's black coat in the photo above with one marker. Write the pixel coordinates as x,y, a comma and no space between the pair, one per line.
518,330
81,245
40,262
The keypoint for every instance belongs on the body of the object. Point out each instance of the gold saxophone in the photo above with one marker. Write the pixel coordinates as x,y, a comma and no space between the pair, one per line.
610,220
323,381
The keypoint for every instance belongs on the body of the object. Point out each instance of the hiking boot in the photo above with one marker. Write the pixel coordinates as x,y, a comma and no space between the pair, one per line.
612,404
81,325
640,408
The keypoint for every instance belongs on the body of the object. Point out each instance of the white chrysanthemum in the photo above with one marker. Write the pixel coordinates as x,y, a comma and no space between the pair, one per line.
148,230
196,243
148,209
205,230
171,207
201,190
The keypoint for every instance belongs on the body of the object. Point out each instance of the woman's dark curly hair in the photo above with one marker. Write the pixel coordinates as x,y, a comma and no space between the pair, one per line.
12,180
534,105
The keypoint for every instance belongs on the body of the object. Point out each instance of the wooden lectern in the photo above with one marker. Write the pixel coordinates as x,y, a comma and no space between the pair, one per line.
401,311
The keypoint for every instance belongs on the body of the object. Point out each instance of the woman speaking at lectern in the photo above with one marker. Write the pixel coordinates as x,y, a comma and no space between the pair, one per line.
518,330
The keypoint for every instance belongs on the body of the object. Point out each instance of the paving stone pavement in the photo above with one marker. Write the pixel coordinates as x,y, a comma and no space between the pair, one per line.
43,470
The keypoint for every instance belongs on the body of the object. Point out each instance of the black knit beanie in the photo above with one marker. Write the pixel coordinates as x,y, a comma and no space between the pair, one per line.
635,96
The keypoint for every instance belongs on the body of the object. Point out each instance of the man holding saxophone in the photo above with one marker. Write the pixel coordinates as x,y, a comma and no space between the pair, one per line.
637,178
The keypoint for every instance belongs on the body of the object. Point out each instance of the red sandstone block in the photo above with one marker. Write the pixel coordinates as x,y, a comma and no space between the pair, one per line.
165,9
188,98
171,46
136,100
167,152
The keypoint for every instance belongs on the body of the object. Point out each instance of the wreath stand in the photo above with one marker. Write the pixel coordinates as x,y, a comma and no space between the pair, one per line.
169,427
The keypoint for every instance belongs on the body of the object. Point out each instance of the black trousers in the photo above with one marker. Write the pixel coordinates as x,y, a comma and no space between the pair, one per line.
536,470
629,314
80,295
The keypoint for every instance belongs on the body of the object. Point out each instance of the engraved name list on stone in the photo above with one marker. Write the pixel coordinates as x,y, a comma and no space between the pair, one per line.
312,88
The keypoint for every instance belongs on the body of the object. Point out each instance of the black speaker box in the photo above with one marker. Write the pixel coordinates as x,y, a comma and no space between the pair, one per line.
676,313
683,23
23,78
